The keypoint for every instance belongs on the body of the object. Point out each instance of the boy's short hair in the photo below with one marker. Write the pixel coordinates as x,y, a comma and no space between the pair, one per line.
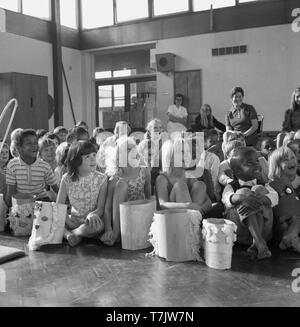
238,156
60,129
52,136
231,145
41,132
97,131
74,133
208,133
24,133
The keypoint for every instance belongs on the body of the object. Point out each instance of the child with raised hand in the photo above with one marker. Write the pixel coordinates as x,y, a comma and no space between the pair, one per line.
248,205
283,169
86,189
128,182
27,173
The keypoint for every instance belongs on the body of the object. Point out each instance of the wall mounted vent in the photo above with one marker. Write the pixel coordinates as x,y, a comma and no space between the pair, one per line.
229,50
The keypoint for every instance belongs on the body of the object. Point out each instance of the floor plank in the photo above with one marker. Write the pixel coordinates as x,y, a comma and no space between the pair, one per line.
95,275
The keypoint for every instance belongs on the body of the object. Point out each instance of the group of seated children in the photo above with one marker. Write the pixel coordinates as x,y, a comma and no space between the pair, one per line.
258,190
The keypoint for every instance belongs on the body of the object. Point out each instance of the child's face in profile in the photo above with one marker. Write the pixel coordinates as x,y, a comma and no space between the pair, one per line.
48,153
296,149
267,147
30,147
4,155
289,165
249,167
212,140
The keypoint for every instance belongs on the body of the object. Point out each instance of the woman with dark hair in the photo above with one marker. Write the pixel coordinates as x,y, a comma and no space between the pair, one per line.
242,117
292,115
206,120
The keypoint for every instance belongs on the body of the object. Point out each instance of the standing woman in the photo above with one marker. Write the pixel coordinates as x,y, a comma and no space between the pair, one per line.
242,117
206,120
292,115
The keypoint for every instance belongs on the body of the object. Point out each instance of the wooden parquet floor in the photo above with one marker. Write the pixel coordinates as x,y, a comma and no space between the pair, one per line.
95,275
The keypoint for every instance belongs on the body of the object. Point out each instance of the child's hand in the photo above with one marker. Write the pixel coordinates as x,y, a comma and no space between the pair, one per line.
93,221
249,200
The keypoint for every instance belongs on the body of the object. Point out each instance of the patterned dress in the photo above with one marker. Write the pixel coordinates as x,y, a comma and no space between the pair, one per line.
83,195
136,187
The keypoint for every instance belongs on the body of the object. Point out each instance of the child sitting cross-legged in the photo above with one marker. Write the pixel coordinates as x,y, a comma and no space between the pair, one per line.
248,204
283,169
86,189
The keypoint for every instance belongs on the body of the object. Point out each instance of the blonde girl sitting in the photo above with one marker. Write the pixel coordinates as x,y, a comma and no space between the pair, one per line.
173,189
86,189
128,182
282,171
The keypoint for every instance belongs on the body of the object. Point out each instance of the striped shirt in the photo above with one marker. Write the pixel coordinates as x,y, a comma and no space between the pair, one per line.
29,179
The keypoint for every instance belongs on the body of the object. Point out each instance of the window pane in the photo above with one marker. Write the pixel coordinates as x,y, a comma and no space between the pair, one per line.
104,74
124,72
68,13
205,4
119,96
125,11
37,8
105,96
97,13
170,6
9,4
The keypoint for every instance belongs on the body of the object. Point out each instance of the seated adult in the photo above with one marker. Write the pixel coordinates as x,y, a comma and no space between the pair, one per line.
292,115
177,115
242,117
206,120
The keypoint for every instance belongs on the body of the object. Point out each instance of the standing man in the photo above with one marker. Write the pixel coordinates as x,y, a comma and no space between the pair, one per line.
177,115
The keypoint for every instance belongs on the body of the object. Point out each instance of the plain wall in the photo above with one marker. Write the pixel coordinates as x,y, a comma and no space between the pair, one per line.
268,72
25,55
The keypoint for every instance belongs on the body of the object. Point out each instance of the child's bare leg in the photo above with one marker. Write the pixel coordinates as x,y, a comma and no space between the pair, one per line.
252,250
120,195
180,193
199,195
255,226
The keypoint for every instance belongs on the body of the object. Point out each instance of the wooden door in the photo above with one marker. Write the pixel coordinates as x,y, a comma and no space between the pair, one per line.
188,83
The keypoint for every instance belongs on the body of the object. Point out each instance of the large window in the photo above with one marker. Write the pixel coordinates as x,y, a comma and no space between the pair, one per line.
170,6
205,4
97,13
112,97
37,8
131,9
68,13
9,4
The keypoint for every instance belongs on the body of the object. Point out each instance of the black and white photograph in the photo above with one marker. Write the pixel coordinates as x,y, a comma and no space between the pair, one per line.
149,156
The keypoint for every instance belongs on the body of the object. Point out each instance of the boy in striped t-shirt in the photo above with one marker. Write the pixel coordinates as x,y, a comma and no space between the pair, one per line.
27,173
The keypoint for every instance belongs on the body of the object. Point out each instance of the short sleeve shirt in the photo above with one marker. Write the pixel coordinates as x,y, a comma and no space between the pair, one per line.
240,119
29,179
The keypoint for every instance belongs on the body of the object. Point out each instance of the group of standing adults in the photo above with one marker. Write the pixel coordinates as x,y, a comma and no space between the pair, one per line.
241,117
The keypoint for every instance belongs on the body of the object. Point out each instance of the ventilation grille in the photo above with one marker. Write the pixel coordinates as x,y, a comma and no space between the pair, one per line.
229,50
